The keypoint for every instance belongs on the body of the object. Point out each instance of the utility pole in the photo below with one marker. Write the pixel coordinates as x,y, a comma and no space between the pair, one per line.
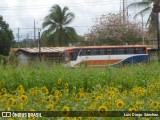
123,10
120,8
142,29
39,44
156,9
158,37
18,38
34,31
28,40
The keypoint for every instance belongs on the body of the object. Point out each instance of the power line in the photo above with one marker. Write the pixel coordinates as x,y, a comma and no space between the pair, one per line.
26,16
38,28
24,8
59,4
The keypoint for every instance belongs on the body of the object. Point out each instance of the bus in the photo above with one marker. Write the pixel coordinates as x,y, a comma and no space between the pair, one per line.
104,55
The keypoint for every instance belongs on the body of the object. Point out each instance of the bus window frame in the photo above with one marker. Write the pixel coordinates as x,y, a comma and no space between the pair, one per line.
109,51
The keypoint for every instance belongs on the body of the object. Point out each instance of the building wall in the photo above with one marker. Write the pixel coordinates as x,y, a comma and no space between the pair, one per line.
28,58
23,58
153,55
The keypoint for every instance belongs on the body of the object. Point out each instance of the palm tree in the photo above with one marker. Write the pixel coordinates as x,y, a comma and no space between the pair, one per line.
56,23
148,6
152,6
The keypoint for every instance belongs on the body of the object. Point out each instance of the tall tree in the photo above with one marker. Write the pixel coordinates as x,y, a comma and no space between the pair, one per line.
6,37
57,26
111,30
151,6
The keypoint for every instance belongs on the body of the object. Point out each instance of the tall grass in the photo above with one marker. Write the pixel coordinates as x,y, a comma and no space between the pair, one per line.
42,74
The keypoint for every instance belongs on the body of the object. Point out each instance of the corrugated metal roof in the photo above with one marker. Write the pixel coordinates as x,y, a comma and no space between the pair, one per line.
14,49
45,49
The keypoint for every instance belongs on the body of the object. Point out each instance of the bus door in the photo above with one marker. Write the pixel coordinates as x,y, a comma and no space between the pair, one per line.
65,58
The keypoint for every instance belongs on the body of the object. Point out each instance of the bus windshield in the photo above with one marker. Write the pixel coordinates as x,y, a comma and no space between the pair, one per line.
65,57
70,55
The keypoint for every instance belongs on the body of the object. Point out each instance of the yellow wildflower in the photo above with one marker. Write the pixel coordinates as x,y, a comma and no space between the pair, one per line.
8,109
24,98
154,105
50,107
20,106
59,81
20,89
66,85
66,91
49,98
98,98
32,109
14,103
77,118
77,97
4,90
119,104
56,93
56,98
4,101
111,94
102,110
1,82
65,111
10,100
45,90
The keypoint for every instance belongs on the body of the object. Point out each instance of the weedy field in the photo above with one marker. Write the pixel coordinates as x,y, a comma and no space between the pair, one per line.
55,88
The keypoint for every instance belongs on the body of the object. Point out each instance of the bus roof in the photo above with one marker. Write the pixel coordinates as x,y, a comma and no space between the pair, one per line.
118,46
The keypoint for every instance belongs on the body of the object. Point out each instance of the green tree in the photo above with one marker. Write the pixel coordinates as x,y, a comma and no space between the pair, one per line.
6,37
151,6
110,29
57,26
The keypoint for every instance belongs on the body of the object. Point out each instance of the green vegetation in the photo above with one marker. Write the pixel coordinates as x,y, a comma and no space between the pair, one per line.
39,75
58,32
148,6
6,37
54,88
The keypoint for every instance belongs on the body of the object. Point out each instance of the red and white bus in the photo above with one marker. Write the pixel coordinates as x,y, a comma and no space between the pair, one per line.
104,55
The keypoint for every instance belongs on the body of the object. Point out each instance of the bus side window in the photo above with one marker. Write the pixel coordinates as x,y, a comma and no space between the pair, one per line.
113,51
108,51
119,51
142,51
136,50
88,52
130,51
83,52
102,51
125,51
95,52
122,51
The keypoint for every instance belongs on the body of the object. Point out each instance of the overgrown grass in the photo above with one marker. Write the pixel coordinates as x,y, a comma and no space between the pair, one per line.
46,87
40,75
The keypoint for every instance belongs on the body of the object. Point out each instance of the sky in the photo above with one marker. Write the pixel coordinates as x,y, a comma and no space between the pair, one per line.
22,13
